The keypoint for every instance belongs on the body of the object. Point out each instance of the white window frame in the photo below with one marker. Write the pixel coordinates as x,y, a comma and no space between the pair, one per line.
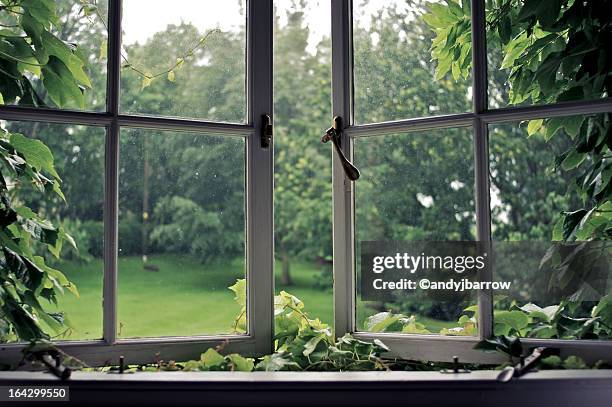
258,191
430,347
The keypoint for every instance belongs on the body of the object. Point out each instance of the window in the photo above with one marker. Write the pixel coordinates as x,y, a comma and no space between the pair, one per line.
173,172
450,148
454,142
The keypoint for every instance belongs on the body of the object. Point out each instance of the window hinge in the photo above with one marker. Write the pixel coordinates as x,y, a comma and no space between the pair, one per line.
266,130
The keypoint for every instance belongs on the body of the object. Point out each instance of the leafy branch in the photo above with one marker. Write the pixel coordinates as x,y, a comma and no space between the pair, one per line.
88,9
552,52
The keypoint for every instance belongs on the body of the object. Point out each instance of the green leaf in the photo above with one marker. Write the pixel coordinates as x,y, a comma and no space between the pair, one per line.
442,13
516,320
26,212
279,361
312,344
546,74
513,50
432,20
552,362
603,309
534,126
240,363
574,362
546,12
34,30
67,237
35,152
573,160
29,274
444,65
41,231
171,76
546,314
59,84
42,10
55,47
456,71
571,220
571,124
212,358
454,8
146,81
382,321
103,50
575,93
19,48
510,346
239,290
530,8
504,29
589,224
413,327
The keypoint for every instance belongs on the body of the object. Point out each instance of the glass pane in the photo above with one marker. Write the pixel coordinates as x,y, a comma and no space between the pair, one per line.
416,187
78,154
185,61
61,65
553,53
181,233
536,177
395,77
302,110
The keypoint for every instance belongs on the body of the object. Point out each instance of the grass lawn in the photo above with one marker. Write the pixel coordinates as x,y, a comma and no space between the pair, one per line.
182,298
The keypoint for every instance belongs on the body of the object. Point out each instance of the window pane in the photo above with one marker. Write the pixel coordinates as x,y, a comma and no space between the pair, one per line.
302,110
63,65
78,153
185,61
552,54
395,77
416,187
181,232
534,180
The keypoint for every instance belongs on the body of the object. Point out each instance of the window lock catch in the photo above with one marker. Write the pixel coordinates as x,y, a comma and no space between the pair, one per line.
334,134
266,130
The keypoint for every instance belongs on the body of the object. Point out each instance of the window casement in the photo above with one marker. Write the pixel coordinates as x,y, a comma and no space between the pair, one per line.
257,185
478,124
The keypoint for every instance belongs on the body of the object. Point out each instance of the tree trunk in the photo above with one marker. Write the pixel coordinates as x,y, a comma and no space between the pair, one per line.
145,201
286,270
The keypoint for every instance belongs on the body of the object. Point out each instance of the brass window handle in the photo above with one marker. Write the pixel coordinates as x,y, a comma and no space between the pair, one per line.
334,134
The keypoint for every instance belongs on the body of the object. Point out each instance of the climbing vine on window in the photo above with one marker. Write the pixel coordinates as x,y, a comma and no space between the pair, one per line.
30,52
553,51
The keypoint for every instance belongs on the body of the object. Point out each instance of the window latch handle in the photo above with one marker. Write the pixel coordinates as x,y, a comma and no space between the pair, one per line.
266,131
334,134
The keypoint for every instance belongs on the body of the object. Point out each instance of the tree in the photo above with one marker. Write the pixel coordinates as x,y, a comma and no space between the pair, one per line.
302,109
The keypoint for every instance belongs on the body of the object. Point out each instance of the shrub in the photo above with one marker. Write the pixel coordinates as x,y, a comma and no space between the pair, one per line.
130,235
182,226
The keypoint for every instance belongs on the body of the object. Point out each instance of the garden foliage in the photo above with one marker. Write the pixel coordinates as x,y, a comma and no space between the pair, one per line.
29,49
555,51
